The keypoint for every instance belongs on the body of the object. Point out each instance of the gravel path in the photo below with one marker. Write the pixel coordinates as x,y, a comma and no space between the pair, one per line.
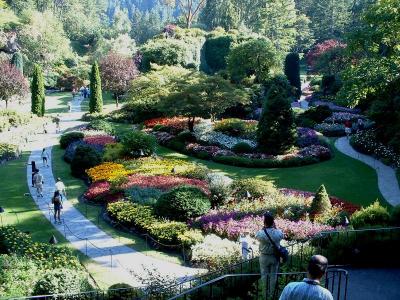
83,234
387,180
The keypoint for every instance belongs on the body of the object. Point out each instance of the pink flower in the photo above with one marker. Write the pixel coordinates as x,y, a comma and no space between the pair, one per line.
99,140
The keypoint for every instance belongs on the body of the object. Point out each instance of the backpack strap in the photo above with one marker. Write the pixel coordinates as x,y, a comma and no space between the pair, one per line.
272,242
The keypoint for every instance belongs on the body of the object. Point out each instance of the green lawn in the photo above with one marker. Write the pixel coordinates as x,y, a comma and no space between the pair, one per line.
58,102
76,187
343,176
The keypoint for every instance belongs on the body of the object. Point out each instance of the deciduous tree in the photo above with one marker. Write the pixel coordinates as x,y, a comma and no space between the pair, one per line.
12,82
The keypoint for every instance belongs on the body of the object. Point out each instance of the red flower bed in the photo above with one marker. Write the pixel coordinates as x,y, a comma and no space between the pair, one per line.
164,182
97,190
176,123
349,207
99,140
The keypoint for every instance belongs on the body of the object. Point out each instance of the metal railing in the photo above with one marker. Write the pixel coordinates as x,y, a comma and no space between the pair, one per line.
251,286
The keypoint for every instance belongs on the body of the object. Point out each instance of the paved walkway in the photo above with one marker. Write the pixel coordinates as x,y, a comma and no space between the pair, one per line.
387,180
86,236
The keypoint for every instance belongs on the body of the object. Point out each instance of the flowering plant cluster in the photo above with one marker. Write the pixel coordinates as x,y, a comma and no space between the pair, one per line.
367,142
98,190
246,129
107,171
316,151
307,137
203,131
341,117
99,140
177,123
71,149
330,129
163,137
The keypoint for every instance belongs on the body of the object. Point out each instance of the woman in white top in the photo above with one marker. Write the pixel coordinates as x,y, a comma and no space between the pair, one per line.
269,261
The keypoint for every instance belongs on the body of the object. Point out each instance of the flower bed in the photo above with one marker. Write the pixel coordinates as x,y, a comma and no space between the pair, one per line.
106,172
366,142
331,130
307,137
246,129
341,117
176,124
99,140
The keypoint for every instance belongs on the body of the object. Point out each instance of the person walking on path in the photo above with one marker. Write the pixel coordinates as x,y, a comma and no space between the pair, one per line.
38,182
57,121
57,206
269,261
34,170
309,288
60,187
347,128
45,157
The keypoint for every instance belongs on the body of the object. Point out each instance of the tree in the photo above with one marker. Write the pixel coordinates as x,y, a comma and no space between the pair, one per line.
123,44
320,204
292,72
220,13
96,97
319,49
12,82
117,72
190,10
276,128
256,57
38,92
18,61
198,95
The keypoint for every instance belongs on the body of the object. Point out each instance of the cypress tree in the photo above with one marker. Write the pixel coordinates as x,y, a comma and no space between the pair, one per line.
18,62
96,97
321,203
276,128
37,90
292,71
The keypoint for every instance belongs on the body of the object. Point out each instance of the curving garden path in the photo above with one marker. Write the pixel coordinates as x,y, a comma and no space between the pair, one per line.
387,180
124,262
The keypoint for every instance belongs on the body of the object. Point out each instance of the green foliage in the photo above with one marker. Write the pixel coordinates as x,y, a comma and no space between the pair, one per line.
395,216
96,96
373,215
167,232
183,203
320,204
257,188
18,61
313,115
256,57
138,143
237,127
113,152
216,50
122,291
276,129
60,281
190,237
220,13
37,90
69,137
242,147
101,125
144,196
85,158
8,151
292,72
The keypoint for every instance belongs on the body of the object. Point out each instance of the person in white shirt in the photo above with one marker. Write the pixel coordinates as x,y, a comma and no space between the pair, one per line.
60,187
38,183
269,261
45,157
309,288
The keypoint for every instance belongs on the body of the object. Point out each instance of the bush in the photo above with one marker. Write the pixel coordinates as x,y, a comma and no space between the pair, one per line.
257,188
101,125
167,232
320,204
186,136
264,163
144,196
122,291
71,148
313,115
85,158
88,117
242,147
190,237
395,216
61,281
220,188
8,151
176,145
292,71
113,152
233,127
183,203
137,144
68,138
373,215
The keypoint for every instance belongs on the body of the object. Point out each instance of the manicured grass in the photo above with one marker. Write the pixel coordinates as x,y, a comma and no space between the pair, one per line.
108,103
57,103
343,176
76,187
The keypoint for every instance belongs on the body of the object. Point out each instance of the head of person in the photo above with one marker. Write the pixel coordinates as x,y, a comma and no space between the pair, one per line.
58,179
268,219
317,267
56,193
44,149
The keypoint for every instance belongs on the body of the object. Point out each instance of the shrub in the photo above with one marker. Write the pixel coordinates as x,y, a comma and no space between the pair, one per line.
320,204
101,125
220,188
68,138
59,281
215,253
88,117
144,196
8,151
186,136
242,148
233,127
313,115
190,237
167,232
85,158
257,188
183,203
122,291
373,215
113,152
264,163
137,144
292,71
395,216
176,145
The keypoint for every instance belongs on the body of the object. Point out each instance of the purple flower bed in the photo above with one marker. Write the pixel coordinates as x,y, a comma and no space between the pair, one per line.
307,137
232,224
316,151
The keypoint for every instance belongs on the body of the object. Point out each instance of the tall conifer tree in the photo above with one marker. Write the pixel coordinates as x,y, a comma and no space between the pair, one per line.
38,93
96,97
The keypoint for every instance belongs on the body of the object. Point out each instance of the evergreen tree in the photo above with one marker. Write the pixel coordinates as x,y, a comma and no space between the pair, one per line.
37,90
276,128
96,97
18,61
321,203
292,72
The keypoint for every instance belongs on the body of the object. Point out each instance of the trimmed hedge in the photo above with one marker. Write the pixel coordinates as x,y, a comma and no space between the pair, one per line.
264,163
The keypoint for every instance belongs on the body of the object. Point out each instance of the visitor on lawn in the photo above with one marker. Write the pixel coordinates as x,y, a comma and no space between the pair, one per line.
57,202
60,188
309,288
38,182
269,260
